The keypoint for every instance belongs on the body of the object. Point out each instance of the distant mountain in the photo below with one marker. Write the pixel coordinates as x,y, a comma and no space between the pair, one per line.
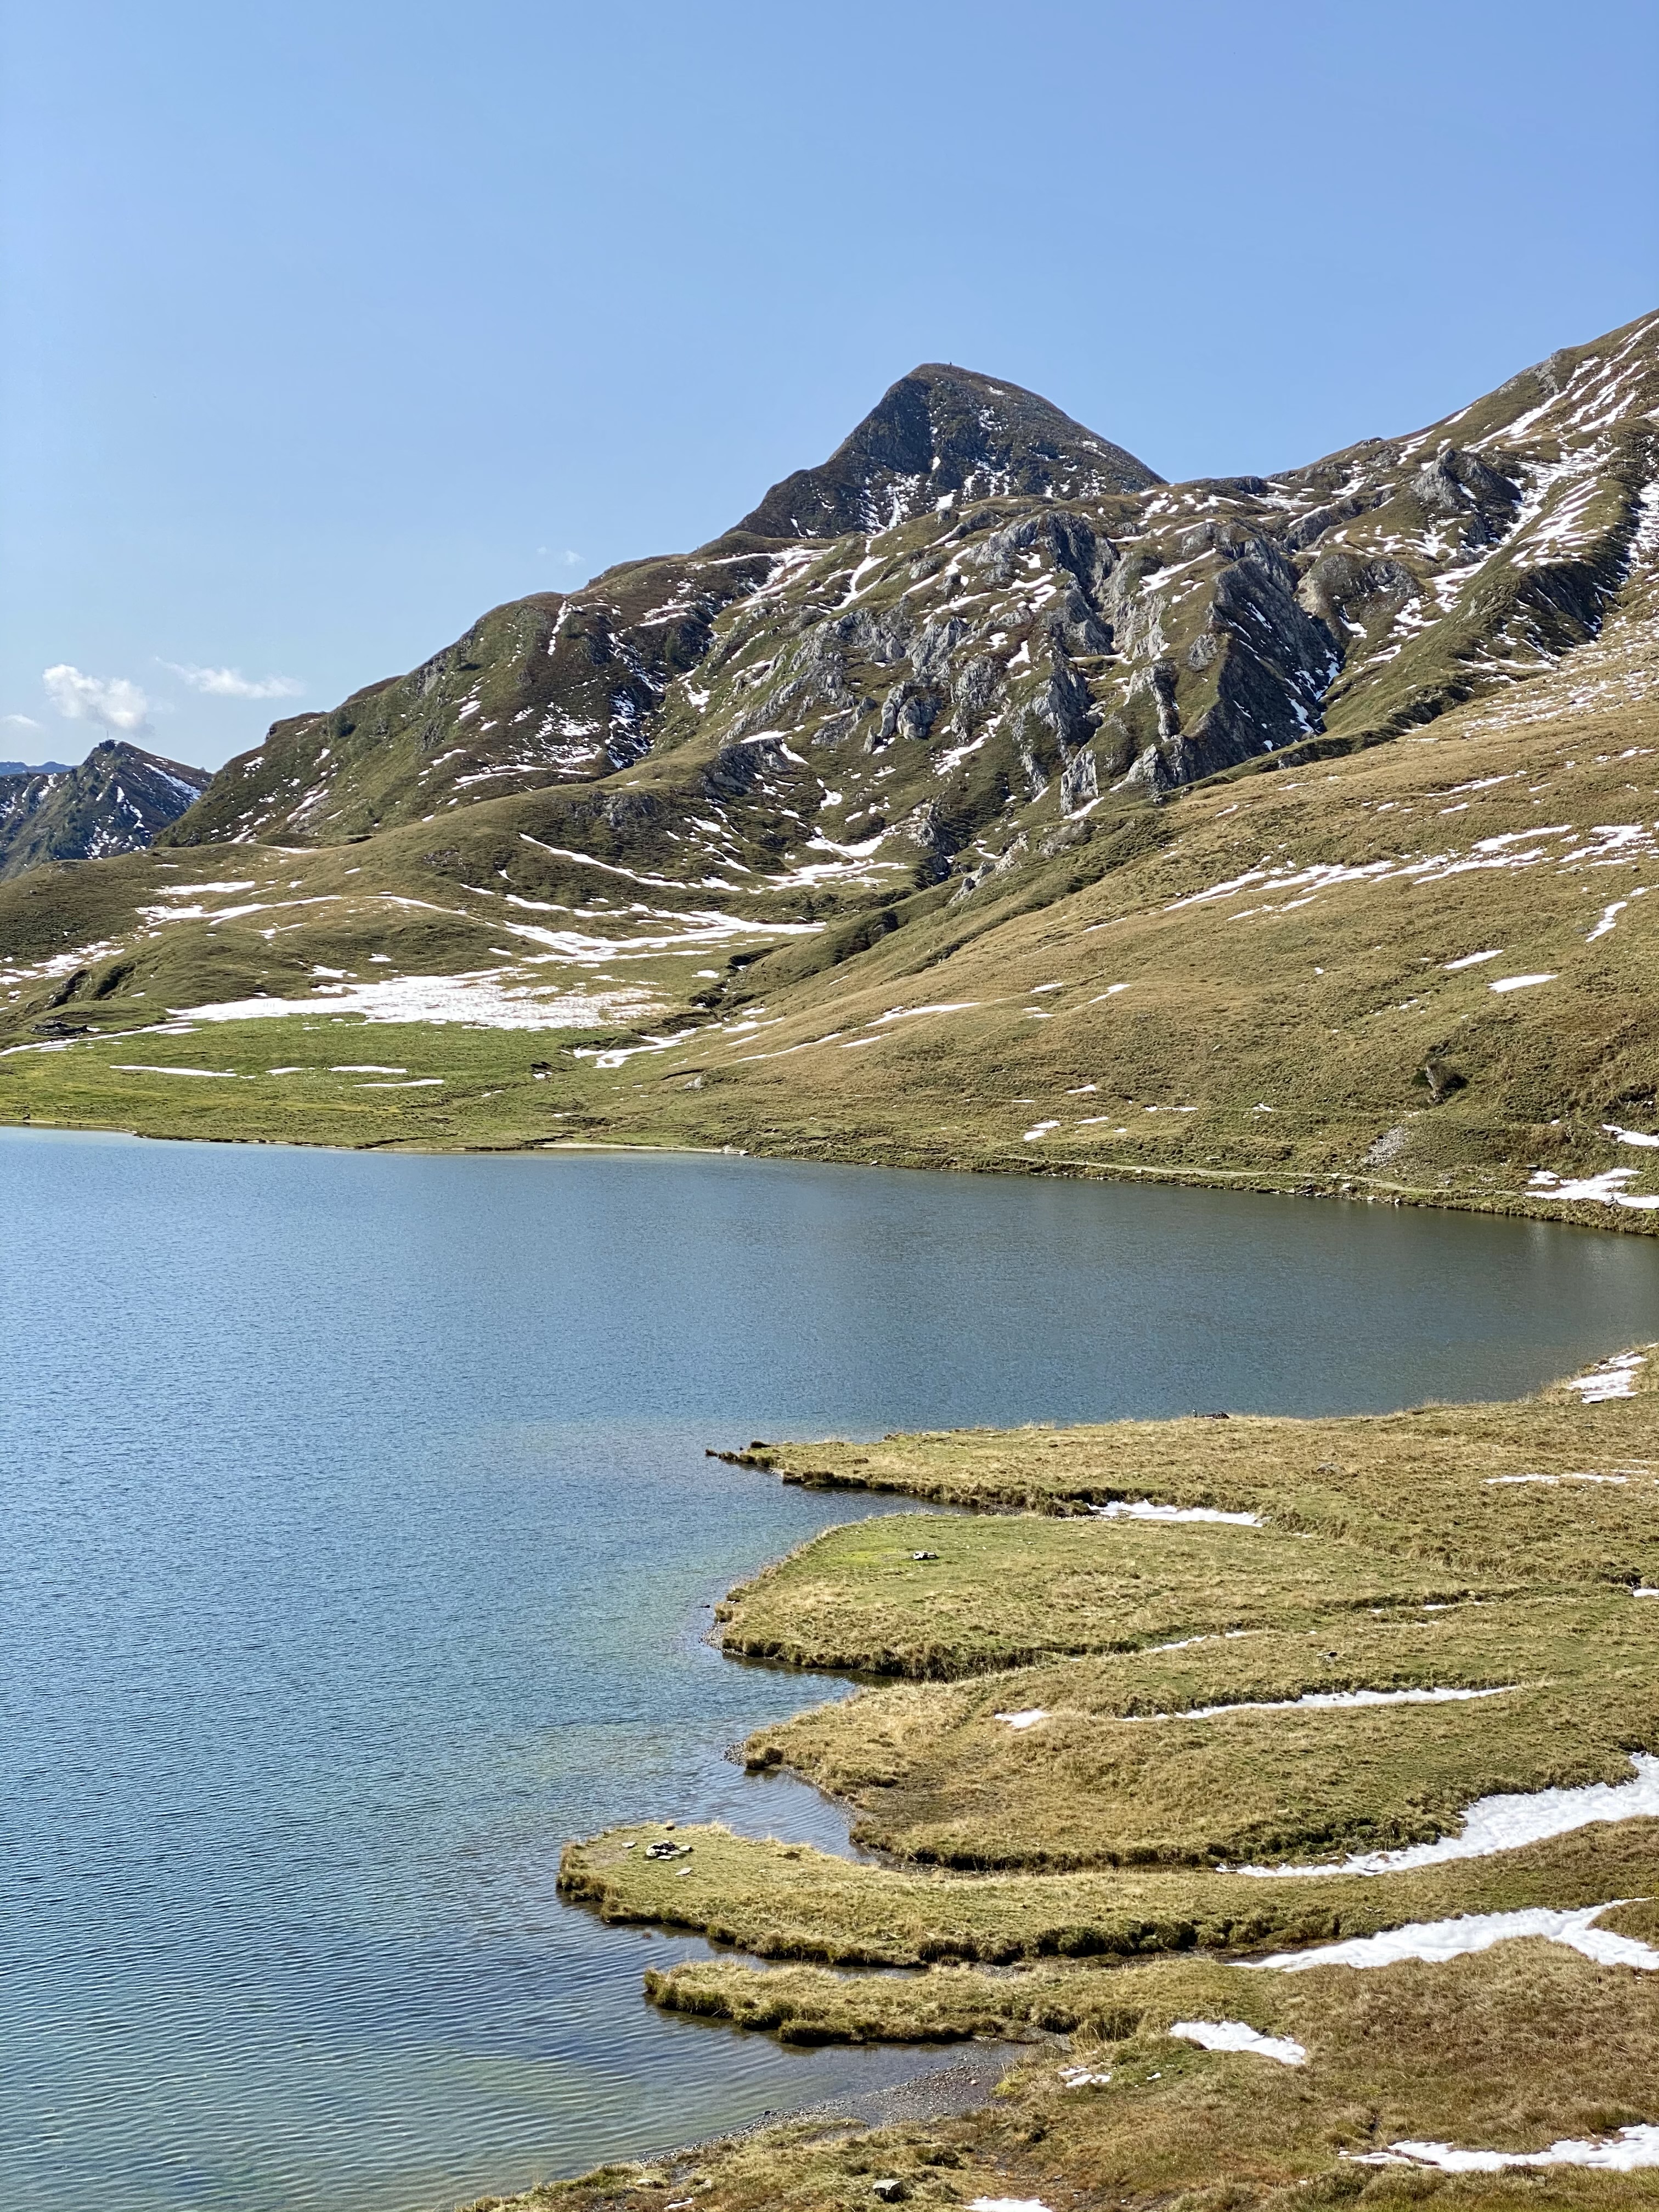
34,768
115,802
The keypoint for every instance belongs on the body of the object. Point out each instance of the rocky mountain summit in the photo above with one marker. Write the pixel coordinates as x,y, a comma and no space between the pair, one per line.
938,437
1296,829
115,802
978,623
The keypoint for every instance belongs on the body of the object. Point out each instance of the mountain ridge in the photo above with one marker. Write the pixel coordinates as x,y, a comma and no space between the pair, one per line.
776,841
1149,638
115,801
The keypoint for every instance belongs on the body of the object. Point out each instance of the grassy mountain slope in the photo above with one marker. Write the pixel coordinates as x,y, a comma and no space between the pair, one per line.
713,841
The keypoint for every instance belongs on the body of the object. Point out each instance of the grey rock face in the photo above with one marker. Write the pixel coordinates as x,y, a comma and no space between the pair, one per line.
975,625
944,434
116,801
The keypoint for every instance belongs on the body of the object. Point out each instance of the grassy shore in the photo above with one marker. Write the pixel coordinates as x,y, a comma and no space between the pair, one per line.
1519,2046
1059,1806
1423,974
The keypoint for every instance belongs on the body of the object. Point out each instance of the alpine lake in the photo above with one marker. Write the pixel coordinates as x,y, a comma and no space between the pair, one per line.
358,1544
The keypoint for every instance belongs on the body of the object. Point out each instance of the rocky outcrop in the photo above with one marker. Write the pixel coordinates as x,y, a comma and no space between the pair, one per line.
939,436
978,623
117,800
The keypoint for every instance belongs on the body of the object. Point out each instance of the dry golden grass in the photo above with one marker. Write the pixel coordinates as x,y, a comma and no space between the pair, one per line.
939,1777
1273,1037
1510,2051
779,1900
1097,1923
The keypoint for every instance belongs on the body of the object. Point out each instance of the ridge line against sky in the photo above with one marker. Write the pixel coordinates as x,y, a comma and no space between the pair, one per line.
329,328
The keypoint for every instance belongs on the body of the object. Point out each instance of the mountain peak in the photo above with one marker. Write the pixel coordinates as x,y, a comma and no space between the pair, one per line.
115,801
942,432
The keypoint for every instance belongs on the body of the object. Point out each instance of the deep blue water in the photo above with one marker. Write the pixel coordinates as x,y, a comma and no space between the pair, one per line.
356,1541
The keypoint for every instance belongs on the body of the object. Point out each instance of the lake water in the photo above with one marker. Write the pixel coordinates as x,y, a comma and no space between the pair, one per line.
356,1544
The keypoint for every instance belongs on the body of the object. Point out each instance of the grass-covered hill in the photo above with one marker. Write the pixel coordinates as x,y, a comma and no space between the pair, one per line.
1292,830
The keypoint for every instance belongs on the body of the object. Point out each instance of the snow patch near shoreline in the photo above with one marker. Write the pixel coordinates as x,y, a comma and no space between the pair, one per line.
1504,1823
1609,1378
1434,1942
1604,1189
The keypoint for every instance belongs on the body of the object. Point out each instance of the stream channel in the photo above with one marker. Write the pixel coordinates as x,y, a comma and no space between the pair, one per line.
357,1542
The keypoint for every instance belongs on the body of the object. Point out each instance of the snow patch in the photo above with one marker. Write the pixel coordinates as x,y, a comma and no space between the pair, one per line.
1142,1509
1603,1189
481,998
1504,1823
1609,1378
1330,1701
1434,1942
1237,2035
1621,2154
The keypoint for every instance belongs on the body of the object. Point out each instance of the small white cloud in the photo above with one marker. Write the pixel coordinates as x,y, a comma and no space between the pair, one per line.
231,684
18,722
570,558
114,701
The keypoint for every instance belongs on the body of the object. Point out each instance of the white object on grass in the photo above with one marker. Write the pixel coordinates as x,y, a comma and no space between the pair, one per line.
1079,2077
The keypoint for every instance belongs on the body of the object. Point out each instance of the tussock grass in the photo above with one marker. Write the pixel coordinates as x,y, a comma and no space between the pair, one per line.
789,1901
811,2004
1001,1591
939,1777
1511,2050
1418,1486
1094,1918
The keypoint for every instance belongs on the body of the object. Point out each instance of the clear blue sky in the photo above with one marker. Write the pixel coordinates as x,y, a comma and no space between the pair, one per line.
329,323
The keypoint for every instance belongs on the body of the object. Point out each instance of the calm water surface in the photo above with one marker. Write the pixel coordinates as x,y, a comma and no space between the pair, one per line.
356,1541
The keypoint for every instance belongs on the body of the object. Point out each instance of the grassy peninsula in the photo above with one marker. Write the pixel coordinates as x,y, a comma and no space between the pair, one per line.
1083,1721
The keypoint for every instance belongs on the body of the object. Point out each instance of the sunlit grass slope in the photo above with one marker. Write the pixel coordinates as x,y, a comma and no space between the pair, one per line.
1426,970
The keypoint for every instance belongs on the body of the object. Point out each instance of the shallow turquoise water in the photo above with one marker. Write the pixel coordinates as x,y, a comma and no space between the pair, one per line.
357,1540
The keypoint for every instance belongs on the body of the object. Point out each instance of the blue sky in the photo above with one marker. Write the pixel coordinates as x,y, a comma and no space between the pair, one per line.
328,326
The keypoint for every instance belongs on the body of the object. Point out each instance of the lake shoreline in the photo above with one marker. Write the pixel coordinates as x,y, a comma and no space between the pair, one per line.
402,1384
1350,1189
1074,1958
